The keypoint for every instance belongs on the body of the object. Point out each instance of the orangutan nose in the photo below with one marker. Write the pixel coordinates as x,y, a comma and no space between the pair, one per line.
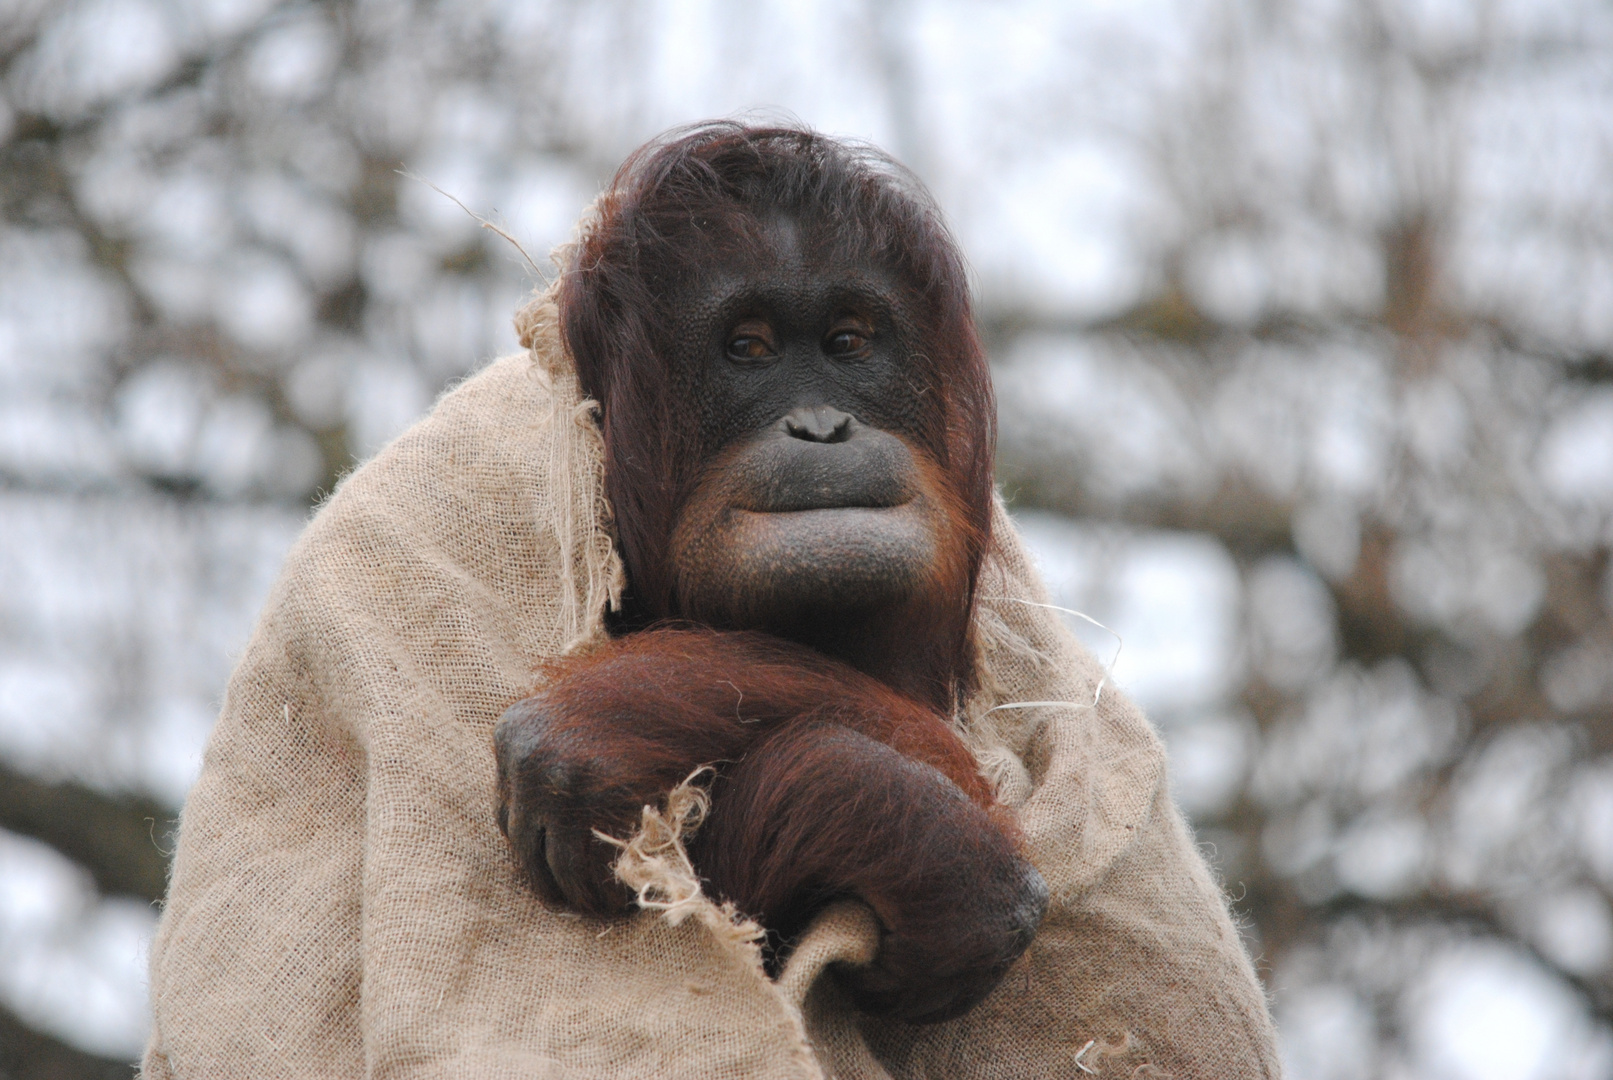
820,424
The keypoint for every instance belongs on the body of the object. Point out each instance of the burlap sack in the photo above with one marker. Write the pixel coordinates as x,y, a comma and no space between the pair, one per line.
343,904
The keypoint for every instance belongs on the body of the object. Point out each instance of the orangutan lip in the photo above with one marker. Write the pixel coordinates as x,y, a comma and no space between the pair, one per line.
872,471
810,506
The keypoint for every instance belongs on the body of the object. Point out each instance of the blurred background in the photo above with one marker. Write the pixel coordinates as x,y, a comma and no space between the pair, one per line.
1302,318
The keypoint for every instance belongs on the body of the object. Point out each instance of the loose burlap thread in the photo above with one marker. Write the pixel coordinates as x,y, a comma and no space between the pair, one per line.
343,904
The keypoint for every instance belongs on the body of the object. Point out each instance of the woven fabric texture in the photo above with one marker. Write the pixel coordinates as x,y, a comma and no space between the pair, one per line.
343,904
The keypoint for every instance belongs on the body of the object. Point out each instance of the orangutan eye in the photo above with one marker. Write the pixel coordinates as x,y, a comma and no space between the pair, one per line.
847,344
749,348
751,341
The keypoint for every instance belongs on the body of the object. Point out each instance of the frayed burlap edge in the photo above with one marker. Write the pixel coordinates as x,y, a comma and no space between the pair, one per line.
655,865
537,324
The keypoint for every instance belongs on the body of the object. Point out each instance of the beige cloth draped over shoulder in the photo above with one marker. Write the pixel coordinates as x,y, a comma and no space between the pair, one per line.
343,904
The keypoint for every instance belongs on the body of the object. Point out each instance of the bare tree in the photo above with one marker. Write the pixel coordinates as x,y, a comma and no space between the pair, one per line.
1345,342
1426,588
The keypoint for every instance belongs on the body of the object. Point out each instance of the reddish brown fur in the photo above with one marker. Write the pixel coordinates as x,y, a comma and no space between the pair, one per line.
818,810
832,784
712,694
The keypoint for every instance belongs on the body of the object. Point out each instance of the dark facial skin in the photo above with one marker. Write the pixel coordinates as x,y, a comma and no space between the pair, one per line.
784,329
818,505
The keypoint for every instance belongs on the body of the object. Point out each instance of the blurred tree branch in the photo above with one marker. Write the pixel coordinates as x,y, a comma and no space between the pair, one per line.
26,1054
119,839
